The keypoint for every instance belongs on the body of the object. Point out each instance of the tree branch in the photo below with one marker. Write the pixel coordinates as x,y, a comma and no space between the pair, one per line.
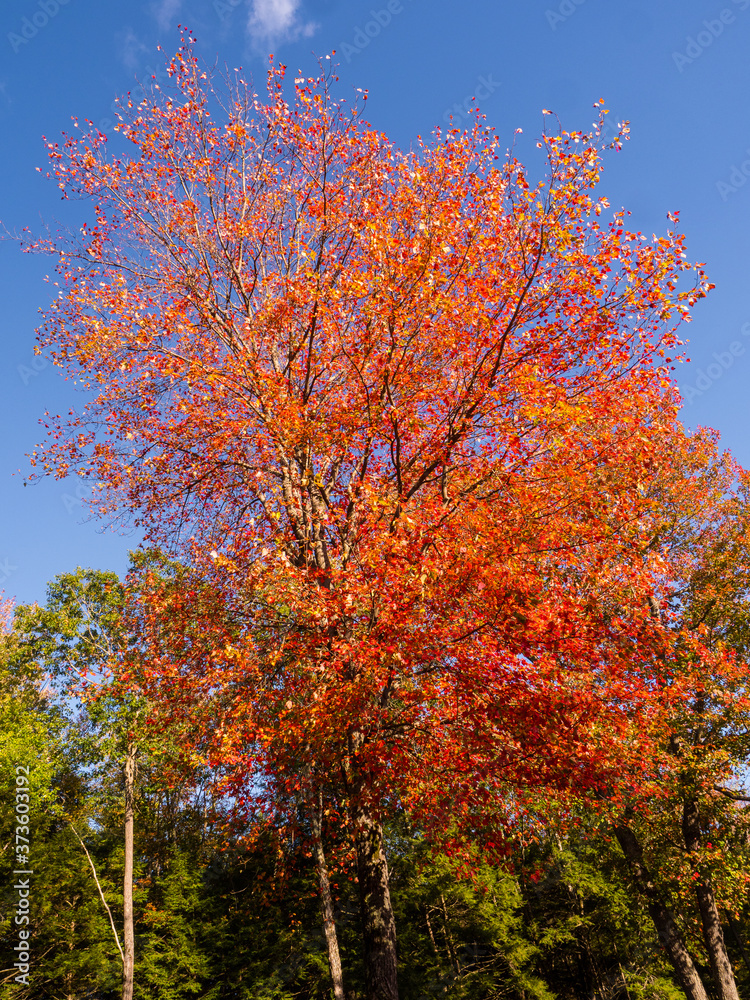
101,894
736,796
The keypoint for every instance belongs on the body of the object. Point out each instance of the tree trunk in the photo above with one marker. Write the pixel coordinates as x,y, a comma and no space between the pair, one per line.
449,939
127,890
326,902
668,931
432,938
378,924
721,967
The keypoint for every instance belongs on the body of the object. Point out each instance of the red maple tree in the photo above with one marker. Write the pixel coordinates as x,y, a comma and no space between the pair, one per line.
403,411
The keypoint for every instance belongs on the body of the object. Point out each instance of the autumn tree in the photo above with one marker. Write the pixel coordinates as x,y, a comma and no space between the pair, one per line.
402,410
706,742
677,823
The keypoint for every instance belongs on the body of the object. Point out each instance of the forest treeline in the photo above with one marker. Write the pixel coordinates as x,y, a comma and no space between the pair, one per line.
227,903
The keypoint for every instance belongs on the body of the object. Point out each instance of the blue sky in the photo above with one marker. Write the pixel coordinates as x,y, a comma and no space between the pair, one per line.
677,70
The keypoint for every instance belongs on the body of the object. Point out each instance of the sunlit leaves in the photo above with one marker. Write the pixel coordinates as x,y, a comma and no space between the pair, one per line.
405,416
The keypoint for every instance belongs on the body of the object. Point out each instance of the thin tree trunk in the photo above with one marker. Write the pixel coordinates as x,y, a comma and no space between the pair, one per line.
432,938
668,931
326,901
713,935
378,924
449,938
128,935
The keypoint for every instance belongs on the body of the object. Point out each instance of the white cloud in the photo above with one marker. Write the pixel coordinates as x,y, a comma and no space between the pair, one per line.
273,20
165,12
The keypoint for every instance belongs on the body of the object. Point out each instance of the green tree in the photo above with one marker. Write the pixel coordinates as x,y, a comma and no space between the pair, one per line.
71,942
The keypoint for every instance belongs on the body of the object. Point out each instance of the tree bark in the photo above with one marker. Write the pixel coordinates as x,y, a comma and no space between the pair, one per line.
326,901
721,967
127,889
378,924
376,911
668,931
